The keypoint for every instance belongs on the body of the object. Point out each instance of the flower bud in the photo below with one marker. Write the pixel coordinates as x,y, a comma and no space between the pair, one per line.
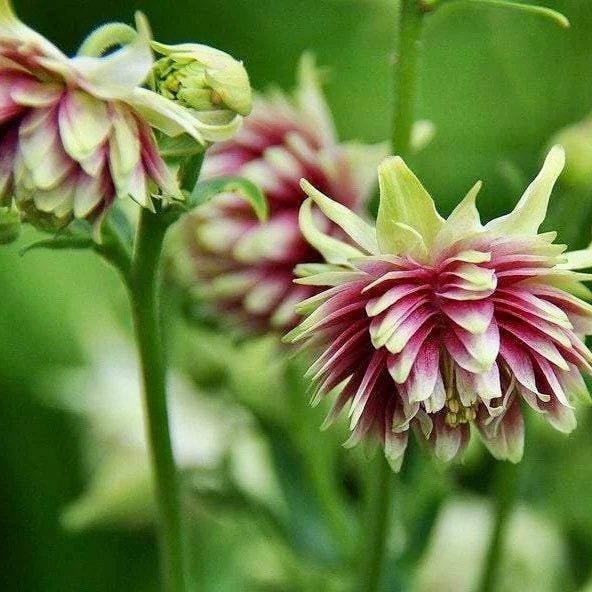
202,78
576,139
10,225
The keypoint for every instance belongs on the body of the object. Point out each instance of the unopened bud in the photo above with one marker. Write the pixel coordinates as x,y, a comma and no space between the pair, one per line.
202,78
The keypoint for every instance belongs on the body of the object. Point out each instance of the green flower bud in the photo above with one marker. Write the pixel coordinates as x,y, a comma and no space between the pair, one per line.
202,78
10,225
576,139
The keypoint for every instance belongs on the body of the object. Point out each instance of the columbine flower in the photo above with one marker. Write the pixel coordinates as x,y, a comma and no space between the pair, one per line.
75,133
246,267
436,324
209,82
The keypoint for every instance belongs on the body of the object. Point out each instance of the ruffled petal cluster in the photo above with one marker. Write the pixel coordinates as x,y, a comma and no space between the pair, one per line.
75,133
245,268
433,325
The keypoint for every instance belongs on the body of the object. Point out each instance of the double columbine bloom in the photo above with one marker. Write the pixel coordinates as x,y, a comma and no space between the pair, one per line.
241,266
437,324
75,133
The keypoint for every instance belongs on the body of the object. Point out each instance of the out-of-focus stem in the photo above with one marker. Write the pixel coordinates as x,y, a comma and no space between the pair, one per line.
506,492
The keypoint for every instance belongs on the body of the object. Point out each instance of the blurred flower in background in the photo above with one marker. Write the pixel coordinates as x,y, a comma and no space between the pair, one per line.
577,141
534,556
214,442
242,267
465,321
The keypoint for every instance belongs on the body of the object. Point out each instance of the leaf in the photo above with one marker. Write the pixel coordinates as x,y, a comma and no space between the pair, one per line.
244,188
60,242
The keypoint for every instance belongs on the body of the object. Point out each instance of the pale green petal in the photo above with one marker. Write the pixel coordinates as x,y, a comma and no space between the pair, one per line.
329,278
362,233
408,240
84,124
124,150
578,259
463,221
531,210
165,115
404,201
332,249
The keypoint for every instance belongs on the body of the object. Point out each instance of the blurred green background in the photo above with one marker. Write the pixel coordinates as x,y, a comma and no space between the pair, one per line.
496,84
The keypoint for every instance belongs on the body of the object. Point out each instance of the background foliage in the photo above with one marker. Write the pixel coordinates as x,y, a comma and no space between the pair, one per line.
496,84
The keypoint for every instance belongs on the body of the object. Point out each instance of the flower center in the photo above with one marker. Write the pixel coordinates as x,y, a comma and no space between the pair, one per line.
457,413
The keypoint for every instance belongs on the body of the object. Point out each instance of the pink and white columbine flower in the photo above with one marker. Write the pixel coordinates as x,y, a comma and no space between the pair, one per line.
435,324
243,267
75,133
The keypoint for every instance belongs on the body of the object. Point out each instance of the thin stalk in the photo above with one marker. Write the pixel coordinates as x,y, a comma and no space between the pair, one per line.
378,510
407,56
144,294
381,484
506,492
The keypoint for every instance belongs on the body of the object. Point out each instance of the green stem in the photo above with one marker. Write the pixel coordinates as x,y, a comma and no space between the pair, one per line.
378,507
410,26
506,492
144,290
411,15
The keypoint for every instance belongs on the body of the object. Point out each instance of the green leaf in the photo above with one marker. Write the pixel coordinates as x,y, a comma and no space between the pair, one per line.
60,242
244,188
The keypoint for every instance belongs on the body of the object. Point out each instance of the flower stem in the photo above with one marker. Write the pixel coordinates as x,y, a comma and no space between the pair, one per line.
144,291
380,488
378,506
506,493
409,30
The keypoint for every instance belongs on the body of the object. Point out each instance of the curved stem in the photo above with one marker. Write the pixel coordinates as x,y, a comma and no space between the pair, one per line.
378,506
144,293
506,492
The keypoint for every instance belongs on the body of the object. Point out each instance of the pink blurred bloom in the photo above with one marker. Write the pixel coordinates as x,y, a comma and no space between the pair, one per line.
435,324
245,268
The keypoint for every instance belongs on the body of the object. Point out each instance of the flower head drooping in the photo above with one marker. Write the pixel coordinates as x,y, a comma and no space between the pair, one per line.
438,324
248,266
75,133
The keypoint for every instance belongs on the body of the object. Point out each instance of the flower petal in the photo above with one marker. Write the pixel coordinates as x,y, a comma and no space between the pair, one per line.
530,211
403,200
